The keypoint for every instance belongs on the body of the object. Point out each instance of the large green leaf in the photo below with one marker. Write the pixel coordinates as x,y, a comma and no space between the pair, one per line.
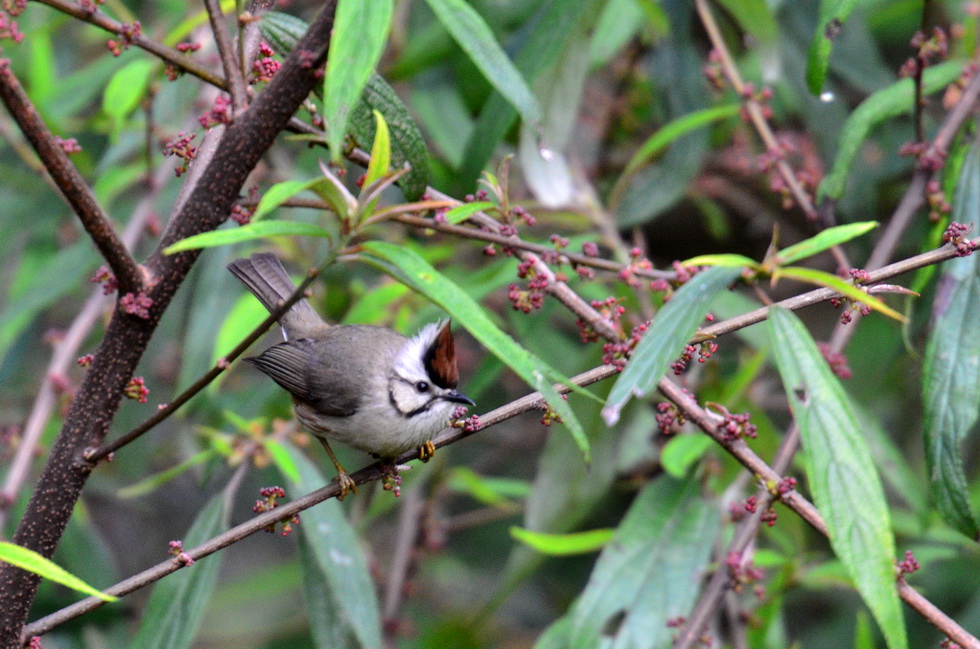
669,332
474,36
840,471
651,571
951,372
176,608
360,31
125,90
557,22
407,144
338,590
896,99
406,266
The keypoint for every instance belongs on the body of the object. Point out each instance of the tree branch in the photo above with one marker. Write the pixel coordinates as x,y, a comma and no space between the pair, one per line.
98,398
69,182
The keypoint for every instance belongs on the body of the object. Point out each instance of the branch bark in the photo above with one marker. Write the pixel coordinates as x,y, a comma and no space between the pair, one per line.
98,398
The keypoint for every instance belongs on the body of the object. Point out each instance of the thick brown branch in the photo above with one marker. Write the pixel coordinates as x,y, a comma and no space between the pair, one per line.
71,184
99,396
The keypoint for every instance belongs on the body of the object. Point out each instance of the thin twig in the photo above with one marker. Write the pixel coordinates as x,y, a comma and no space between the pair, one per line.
230,62
70,183
98,454
530,402
172,56
802,507
754,109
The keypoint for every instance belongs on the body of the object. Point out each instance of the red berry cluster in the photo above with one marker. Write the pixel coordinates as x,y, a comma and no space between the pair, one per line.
268,502
69,145
703,350
737,425
105,277
265,67
136,389
181,558
180,147
908,566
936,197
668,417
836,360
955,235
220,113
128,33
137,305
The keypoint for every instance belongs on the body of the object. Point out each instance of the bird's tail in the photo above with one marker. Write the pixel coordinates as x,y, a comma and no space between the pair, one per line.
264,276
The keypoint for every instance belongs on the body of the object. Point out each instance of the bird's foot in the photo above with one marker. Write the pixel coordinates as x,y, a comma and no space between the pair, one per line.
347,484
427,451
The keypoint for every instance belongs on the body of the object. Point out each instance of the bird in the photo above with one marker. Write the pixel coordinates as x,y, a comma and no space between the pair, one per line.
365,386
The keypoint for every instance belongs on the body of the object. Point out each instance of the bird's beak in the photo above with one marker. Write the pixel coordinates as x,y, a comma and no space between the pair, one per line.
458,397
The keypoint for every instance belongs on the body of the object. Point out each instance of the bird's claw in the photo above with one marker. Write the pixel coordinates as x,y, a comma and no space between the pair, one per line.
427,451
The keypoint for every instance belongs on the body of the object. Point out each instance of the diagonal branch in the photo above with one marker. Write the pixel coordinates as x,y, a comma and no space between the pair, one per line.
164,53
71,184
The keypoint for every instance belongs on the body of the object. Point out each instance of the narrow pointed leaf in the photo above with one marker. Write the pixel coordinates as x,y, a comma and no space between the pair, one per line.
340,597
670,330
951,372
474,36
845,288
359,34
563,545
896,99
406,266
833,15
31,561
176,607
669,132
728,260
380,151
462,212
840,472
825,240
260,230
650,572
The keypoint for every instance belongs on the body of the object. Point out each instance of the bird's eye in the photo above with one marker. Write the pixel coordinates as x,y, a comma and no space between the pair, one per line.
422,386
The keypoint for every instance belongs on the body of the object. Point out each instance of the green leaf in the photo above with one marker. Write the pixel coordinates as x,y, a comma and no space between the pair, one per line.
682,451
462,212
282,30
833,14
339,591
563,545
407,143
558,21
340,200
176,607
722,259
650,572
951,370
249,232
472,34
152,482
897,99
844,287
825,240
125,90
31,561
282,459
669,332
669,132
840,471
380,151
756,18
360,31
495,492
409,268
244,316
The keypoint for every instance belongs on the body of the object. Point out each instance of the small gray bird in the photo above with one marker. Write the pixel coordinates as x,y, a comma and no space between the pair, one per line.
368,387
